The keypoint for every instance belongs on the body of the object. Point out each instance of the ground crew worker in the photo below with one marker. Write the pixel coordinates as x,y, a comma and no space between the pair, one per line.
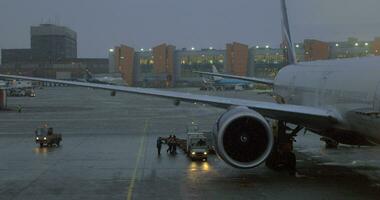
169,142
159,144
174,145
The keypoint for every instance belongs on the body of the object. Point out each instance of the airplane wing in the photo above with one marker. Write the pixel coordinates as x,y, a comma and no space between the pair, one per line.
301,115
244,78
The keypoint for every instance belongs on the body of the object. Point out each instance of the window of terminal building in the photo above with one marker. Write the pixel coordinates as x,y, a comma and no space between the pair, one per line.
201,62
267,71
267,58
146,65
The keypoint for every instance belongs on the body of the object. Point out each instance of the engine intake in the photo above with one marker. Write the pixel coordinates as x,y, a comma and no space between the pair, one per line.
243,138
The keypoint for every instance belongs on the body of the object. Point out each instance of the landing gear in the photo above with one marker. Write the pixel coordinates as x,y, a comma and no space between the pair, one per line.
282,156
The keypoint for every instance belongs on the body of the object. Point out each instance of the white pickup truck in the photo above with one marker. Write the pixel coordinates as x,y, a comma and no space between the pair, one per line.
197,144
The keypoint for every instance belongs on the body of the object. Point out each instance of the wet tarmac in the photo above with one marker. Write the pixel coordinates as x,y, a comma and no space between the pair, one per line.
108,152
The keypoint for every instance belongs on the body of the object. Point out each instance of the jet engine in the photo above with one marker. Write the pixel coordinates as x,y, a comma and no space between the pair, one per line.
243,138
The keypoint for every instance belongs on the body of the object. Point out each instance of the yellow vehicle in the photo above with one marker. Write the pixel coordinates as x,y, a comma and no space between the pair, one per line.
46,137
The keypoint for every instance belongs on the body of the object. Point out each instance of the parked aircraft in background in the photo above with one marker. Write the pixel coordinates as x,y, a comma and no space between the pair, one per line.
109,80
211,82
338,99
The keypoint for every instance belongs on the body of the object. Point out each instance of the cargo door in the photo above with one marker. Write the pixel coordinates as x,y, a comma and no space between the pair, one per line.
377,98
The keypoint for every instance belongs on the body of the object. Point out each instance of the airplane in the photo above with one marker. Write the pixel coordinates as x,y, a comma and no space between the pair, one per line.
89,77
220,83
339,99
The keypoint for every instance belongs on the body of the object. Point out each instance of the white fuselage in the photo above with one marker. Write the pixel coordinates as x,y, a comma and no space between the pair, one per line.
349,87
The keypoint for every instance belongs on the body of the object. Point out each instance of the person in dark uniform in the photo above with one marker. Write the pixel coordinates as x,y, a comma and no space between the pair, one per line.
168,141
174,145
159,144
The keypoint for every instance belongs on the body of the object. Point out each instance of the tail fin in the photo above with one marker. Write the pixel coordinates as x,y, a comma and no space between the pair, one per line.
215,71
287,39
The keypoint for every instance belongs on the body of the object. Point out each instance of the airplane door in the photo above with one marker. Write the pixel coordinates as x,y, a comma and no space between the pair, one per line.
377,98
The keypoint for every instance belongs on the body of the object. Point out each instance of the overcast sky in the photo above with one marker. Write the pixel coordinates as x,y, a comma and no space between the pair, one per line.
102,24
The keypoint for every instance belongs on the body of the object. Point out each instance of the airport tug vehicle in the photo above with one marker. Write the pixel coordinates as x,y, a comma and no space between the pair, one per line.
197,145
46,137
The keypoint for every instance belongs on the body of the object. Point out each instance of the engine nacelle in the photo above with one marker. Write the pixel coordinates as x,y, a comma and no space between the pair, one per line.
243,138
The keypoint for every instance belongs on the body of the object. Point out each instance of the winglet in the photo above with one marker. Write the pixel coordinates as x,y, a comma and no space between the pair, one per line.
287,39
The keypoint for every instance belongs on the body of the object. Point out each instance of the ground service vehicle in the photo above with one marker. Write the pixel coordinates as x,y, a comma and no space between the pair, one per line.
197,145
21,92
46,136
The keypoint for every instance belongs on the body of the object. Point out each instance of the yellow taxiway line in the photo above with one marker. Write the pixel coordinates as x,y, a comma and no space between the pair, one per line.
139,155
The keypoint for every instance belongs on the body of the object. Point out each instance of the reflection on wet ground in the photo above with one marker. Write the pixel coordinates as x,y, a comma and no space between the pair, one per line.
111,154
196,166
45,150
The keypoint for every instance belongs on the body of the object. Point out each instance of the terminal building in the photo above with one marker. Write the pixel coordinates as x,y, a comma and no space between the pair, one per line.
53,43
166,66
49,43
53,53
